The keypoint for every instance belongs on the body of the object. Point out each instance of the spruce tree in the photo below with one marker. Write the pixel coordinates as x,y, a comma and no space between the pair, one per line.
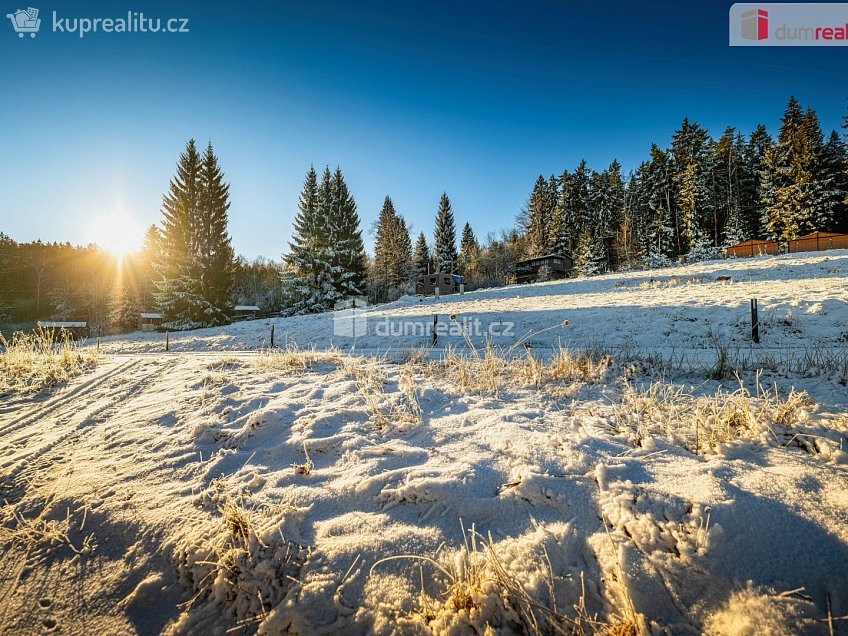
124,309
788,180
538,219
659,235
445,256
833,171
392,253
468,249
349,265
690,154
307,275
213,255
422,261
178,295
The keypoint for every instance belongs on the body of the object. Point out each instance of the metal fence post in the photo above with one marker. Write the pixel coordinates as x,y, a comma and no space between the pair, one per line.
755,322
435,327
167,341
272,334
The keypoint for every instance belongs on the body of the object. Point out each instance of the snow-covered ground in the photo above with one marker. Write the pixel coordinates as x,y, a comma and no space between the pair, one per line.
195,492
803,302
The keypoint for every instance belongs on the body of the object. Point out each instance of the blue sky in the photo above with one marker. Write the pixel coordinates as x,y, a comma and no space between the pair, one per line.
410,99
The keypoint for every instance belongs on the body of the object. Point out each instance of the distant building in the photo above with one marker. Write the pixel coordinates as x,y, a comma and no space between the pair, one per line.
150,321
547,267
245,312
754,247
447,284
817,241
73,329
814,242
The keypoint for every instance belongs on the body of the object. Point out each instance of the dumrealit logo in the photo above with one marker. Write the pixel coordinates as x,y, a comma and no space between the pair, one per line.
755,24
789,24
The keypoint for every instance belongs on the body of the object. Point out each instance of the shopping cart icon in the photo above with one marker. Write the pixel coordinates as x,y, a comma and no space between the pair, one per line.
25,21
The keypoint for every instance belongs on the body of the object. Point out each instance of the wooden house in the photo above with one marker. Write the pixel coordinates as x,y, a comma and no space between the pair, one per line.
150,321
547,267
74,329
447,283
245,312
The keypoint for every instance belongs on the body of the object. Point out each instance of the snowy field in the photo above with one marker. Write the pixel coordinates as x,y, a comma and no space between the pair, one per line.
205,491
803,303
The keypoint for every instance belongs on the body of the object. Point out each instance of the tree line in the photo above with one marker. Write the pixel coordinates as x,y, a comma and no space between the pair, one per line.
695,196
691,197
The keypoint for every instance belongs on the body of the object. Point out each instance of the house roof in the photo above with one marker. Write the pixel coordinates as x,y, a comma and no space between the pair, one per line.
245,308
819,235
59,324
151,316
541,258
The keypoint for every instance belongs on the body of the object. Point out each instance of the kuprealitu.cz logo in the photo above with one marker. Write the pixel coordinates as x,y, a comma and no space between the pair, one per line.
27,22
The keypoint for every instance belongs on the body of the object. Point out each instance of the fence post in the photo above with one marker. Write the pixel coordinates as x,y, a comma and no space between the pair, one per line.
167,341
755,322
436,292
435,327
272,334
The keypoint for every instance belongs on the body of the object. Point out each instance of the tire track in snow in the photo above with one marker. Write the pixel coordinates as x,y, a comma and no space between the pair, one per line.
60,400
19,466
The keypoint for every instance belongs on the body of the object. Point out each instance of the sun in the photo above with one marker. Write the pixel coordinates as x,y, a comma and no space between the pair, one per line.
119,233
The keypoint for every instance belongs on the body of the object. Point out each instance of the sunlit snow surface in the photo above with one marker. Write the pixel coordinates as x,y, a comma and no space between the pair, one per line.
138,457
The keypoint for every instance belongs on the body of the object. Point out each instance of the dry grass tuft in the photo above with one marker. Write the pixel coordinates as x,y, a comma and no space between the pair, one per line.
492,369
306,467
40,537
475,593
32,362
243,564
292,359
702,423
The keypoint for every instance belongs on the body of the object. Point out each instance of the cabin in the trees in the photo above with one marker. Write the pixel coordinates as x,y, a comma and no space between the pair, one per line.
245,312
447,284
150,321
72,329
547,267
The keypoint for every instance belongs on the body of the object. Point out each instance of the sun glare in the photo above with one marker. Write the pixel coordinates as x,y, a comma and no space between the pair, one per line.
119,233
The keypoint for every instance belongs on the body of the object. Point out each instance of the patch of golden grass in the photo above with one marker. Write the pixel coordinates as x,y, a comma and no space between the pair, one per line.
701,423
243,563
292,359
492,369
475,592
30,362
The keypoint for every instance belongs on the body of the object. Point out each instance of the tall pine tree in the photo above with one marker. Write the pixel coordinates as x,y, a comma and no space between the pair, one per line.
445,255
468,249
178,295
392,254
421,258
